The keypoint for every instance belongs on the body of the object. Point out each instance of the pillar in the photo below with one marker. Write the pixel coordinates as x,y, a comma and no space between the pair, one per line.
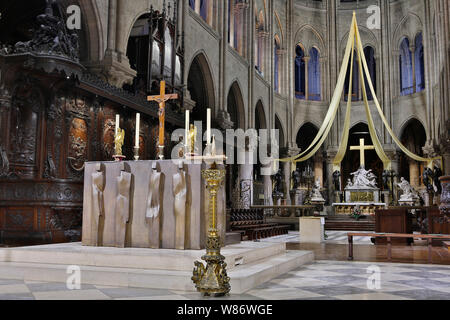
414,173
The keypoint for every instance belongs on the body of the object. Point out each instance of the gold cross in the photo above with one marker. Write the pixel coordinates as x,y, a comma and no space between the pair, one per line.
362,148
161,99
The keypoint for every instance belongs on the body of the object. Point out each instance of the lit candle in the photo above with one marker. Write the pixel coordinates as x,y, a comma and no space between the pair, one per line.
117,124
208,126
187,129
138,122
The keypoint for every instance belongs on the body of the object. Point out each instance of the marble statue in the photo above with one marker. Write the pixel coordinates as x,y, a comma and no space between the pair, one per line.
180,193
363,179
98,205
409,194
152,213
316,189
122,206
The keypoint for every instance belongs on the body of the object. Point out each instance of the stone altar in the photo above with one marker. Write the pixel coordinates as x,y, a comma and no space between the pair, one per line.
125,200
363,192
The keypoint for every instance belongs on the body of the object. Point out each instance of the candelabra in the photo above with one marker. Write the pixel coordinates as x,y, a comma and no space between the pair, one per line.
213,279
308,176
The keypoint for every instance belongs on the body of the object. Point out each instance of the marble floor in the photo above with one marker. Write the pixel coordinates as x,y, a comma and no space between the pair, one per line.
321,280
330,277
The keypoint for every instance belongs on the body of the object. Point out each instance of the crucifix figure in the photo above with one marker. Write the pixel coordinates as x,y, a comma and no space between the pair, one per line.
161,99
362,148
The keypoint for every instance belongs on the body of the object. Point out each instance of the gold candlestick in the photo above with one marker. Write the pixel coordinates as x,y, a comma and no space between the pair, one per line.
213,279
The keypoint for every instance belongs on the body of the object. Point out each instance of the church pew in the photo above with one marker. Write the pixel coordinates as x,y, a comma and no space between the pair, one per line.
390,236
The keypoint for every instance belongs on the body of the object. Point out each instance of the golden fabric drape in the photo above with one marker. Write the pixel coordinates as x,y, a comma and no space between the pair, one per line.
354,37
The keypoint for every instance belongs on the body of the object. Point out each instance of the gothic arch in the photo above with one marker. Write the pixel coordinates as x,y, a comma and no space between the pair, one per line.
310,38
199,67
260,116
237,115
411,121
95,30
279,125
409,27
368,38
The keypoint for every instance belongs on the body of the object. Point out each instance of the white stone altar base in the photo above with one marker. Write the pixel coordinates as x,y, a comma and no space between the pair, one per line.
188,232
367,208
249,264
311,229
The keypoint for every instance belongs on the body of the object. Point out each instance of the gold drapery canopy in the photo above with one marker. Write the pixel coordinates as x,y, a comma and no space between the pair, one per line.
354,41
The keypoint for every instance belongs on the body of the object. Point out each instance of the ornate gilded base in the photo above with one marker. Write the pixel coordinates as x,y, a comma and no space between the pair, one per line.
212,280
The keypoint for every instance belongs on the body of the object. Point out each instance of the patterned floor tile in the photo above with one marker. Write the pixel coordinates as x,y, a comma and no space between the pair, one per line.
372,296
336,290
92,294
423,294
40,287
284,294
134,292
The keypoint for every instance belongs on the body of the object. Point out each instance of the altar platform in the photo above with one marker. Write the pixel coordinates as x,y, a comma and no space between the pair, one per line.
367,208
249,264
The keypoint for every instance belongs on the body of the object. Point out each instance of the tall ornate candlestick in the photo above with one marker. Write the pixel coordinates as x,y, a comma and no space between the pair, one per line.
213,279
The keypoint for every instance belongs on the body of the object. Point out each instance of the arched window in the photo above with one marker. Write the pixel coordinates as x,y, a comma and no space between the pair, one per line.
314,75
276,65
299,73
369,53
259,45
406,73
204,9
355,79
192,4
419,64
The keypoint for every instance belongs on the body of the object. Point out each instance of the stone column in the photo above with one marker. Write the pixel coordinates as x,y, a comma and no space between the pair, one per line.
387,66
306,59
290,73
223,26
197,6
412,47
251,61
246,180
414,174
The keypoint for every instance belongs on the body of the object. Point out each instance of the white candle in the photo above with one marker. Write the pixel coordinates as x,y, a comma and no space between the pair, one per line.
117,124
208,126
138,122
186,138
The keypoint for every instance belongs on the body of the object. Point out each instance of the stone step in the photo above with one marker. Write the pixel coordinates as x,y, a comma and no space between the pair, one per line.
243,277
138,258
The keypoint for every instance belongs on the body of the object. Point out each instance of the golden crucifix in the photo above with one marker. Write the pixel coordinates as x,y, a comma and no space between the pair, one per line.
161,99
362,148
